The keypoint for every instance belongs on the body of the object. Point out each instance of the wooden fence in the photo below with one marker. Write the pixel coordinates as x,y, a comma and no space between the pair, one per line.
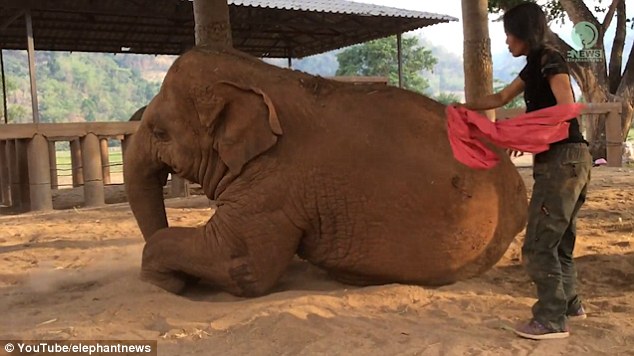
28,167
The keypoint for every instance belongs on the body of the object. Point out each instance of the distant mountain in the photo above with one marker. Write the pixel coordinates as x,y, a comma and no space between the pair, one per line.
76,87
324,64
80,87
448,73
506,67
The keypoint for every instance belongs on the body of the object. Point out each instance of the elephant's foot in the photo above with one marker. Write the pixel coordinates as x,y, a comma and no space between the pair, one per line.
160,265
173,282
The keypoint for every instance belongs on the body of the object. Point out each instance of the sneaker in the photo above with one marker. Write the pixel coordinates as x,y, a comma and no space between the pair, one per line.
536,331
578,314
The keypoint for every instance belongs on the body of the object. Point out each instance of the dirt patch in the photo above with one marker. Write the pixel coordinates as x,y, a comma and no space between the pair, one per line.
73,274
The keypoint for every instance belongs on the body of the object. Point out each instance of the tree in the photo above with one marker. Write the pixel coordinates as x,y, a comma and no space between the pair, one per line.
599,81
212,22
478,65
379,58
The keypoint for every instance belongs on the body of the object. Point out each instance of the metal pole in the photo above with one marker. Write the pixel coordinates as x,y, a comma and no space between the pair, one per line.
31,52
4,89
399,52
290,62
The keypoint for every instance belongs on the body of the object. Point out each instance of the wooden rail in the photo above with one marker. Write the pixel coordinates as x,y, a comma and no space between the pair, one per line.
28,167
61,132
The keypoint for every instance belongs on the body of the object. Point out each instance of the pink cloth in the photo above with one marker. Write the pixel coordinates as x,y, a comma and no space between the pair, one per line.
532,132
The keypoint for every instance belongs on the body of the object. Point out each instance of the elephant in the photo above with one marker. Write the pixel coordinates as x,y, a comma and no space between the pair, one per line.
359,180
138,114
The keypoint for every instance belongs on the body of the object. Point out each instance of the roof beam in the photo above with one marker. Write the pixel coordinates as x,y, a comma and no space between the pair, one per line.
10,20
178,9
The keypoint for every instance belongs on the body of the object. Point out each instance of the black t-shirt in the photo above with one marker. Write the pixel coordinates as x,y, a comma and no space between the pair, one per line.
541,65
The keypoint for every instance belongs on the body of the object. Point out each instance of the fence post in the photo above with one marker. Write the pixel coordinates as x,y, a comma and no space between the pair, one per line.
52,159
125,142
22,160
76,163
5,181
39,173
93,183
179,187
614,139
105,160
14,174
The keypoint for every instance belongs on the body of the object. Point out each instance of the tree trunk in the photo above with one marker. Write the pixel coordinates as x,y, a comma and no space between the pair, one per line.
213,26
597,84
625,93
478,66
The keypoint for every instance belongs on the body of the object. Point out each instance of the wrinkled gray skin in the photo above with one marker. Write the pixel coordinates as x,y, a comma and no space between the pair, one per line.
359,180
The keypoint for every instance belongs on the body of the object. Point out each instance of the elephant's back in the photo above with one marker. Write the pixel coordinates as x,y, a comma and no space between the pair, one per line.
413,213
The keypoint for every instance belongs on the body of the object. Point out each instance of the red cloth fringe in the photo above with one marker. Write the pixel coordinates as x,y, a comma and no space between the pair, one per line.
532,132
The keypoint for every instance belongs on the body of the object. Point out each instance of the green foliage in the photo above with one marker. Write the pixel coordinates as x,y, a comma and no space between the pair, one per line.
448,74
516,102
76,87
447,98
324,64
552,8
379,58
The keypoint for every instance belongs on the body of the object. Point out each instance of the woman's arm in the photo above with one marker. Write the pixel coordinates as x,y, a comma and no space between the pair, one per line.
560,85
498,99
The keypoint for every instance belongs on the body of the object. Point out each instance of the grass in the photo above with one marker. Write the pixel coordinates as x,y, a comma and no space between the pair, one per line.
64,162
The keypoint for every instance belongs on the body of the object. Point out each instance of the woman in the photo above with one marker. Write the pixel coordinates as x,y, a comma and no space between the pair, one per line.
561,175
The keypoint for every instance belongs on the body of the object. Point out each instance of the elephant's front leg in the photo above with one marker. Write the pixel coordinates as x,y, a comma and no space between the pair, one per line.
166,256
240,258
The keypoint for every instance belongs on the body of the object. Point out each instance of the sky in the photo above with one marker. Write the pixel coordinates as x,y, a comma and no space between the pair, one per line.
450,35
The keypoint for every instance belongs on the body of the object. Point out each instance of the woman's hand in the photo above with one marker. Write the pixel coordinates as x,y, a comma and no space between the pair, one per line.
514,153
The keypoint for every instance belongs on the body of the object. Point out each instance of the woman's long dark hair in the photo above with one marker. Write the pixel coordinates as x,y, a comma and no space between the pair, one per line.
528,23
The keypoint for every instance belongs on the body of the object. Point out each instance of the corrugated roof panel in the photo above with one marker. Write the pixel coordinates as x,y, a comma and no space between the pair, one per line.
342,7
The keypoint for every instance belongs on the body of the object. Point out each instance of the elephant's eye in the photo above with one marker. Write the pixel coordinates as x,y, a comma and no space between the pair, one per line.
160,134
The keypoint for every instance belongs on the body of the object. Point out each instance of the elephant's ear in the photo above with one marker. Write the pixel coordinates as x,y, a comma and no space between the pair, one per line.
242,120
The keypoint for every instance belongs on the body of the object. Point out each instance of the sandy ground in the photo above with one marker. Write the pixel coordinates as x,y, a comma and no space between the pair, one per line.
73,274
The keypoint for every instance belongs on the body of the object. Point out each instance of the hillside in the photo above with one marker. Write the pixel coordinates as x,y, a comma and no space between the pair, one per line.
78,87
81,87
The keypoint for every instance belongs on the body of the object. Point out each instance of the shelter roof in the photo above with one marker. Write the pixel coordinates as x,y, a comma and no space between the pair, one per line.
263,28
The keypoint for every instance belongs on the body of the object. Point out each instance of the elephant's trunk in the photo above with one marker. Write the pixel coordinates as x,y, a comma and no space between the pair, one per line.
145,176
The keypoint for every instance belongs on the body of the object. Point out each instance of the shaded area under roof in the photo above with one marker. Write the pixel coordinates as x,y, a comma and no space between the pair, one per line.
262,28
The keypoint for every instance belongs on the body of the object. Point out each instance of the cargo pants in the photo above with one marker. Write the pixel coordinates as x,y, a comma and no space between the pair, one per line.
561,178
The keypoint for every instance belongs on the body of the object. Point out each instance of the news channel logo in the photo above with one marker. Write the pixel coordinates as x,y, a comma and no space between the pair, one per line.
585,36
